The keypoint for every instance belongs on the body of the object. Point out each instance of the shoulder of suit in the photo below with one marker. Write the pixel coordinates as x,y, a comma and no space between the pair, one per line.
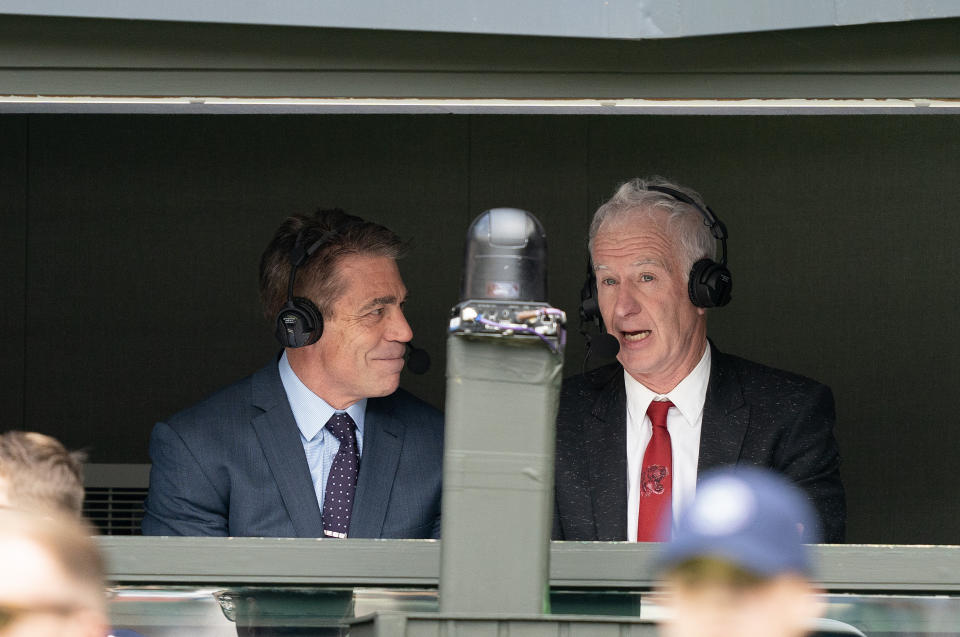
592,383
579,394
760,378
230,404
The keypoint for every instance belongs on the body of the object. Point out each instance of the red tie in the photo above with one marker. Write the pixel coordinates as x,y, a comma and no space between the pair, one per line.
656,477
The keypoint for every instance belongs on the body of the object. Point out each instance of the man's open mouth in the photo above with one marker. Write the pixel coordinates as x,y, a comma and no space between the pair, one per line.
632,337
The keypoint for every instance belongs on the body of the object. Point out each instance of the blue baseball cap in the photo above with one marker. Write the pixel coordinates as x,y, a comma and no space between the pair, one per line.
750,517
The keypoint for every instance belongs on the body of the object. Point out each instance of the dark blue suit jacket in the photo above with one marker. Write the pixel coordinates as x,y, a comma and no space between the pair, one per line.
234,465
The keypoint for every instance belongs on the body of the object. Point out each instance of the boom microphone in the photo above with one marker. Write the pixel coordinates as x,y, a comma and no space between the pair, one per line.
604,345
418,360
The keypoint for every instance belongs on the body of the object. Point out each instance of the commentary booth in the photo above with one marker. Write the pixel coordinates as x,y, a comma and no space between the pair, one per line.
148,154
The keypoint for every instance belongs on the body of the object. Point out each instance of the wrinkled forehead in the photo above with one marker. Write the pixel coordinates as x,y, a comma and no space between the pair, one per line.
670,215
636,217
643,235
368,280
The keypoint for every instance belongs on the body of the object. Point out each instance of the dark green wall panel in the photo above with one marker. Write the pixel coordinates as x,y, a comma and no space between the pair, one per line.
539,164
13,265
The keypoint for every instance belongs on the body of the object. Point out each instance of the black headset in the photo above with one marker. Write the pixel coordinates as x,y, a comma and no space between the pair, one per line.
709,284
299,322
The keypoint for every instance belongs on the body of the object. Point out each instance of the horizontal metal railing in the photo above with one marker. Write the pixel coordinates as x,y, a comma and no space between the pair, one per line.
600,565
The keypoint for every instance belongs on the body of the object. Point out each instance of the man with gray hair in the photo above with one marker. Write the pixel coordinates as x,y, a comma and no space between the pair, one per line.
633,436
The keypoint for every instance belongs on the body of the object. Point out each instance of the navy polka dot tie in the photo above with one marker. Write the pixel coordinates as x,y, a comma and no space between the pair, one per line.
342,481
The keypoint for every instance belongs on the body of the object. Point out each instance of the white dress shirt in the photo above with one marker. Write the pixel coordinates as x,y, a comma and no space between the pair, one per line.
683,423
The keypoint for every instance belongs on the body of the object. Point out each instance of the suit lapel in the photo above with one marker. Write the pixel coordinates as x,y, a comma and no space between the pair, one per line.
279,438
382,442
725,416
605,440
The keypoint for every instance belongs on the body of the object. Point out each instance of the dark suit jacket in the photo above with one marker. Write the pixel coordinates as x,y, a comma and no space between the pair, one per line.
234,465
753,415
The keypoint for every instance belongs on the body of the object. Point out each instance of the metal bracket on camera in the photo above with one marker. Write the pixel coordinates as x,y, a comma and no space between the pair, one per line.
504,319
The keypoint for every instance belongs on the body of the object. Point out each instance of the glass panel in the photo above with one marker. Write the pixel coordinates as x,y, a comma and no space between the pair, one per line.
876,615
897,615
169,610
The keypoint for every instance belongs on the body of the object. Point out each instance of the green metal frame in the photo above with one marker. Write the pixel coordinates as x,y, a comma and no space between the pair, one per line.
841,568
100,57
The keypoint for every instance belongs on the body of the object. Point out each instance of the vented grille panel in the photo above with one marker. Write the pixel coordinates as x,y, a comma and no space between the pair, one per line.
115,510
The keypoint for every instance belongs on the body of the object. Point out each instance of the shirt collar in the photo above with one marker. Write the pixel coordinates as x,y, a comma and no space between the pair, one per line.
688,396
309,410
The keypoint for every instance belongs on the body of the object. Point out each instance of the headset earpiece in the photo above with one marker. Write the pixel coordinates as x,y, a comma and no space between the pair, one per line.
589,308
710,284
299,323
603,344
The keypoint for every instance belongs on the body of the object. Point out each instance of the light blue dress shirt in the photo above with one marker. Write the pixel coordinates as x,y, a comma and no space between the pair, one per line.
311,413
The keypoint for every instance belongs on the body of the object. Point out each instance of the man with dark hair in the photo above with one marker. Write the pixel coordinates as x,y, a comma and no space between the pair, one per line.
633,436
320,443
38,473
51,579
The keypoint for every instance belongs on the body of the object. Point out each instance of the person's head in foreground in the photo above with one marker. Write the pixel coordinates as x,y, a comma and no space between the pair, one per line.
37,473
51,578
737,565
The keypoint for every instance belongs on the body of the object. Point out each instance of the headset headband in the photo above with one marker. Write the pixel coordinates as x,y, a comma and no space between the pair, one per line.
717,227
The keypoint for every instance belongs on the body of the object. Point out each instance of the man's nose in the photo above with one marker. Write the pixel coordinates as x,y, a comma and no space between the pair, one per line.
400,330
625,303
